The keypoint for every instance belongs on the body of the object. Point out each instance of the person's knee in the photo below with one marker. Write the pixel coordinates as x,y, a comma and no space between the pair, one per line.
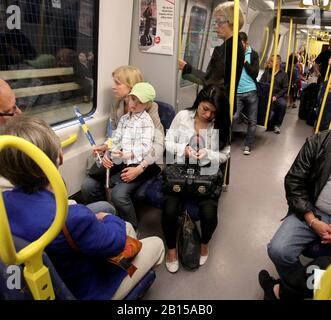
154,245
279,253
120,196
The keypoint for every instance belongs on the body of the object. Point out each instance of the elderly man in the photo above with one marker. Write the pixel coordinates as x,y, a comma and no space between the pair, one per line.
8,107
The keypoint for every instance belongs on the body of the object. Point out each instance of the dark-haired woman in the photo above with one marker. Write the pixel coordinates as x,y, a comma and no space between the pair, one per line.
208,118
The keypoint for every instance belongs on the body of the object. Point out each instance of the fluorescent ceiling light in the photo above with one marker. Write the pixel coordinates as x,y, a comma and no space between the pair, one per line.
303,30
323,3
270,4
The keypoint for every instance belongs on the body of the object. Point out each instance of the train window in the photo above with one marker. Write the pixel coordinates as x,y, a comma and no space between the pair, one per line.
48,52
195,36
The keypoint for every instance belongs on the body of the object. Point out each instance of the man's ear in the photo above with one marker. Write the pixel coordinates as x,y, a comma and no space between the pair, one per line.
60,159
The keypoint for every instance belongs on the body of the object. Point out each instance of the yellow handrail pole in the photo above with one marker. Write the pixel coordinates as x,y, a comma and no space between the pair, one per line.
180,38
35,273
326,93
289,45
72,139
292,65
234,56
324,293
266,44
307,48
235,40
327,72
274,63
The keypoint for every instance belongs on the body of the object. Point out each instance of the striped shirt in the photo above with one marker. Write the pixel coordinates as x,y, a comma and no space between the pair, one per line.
134,133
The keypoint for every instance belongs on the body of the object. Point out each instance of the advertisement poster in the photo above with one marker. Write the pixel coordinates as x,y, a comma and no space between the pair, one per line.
156,26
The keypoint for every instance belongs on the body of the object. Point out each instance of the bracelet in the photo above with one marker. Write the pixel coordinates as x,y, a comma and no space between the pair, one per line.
312,221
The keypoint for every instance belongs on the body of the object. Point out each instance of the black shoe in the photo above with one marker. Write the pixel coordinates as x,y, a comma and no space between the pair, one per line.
267,283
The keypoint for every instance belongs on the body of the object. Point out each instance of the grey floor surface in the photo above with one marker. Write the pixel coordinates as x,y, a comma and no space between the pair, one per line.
249,214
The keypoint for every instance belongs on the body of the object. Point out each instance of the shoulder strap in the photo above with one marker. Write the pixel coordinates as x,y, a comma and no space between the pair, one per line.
72,244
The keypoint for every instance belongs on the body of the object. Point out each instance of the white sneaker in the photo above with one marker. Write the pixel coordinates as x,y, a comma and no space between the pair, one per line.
247,151
277,130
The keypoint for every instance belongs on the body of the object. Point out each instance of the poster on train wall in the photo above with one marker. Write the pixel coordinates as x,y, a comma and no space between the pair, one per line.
156,26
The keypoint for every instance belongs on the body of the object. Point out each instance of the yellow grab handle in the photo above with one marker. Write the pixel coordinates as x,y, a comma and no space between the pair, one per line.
289,45
326,93
72,139
37,275
324,293
292,65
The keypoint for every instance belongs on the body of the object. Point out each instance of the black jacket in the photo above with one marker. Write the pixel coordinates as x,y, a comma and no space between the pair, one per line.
309,174
219,68
280,84
253,68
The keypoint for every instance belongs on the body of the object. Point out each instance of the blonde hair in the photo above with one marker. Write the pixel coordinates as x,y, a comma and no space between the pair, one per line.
15,165
128,75
227,10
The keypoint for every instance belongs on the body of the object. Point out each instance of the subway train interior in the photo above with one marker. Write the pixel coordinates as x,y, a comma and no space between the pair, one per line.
57,55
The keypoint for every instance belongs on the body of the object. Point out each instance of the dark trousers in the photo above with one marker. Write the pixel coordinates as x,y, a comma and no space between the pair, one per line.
173,206
122,191
297,285
278,112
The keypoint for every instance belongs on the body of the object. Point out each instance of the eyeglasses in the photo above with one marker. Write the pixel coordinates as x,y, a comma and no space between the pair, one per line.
11,112
220,23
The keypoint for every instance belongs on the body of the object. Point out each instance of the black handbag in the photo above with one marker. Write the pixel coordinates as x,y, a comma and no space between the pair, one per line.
187,180
188,243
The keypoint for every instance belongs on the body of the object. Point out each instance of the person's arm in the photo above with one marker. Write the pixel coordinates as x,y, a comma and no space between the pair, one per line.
253,68
172,137
283,86
96,238
297,180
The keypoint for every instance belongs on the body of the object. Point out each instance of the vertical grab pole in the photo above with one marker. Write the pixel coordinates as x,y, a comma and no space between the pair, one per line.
292,65
266,44
233,69
234,57
289,45
274,63
307,48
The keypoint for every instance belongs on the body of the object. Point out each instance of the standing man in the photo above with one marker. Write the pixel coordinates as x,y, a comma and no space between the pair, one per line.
247,96
322,62
278,109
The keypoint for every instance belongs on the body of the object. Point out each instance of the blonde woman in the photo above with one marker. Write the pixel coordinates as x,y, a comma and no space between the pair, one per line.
219,68
124,79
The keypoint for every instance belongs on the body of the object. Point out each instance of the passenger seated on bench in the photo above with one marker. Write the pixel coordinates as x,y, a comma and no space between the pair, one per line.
308,190
124,78
209,115
31,207
132,141
279,93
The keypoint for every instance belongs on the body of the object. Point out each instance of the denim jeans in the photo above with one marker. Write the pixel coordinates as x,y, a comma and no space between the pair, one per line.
121,197
278,111
93,190
250,101
290,240
101,206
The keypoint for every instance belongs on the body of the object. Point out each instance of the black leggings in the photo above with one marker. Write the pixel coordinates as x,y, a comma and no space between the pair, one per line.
173,207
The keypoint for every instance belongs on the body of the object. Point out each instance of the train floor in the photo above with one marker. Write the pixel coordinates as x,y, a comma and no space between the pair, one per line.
249,214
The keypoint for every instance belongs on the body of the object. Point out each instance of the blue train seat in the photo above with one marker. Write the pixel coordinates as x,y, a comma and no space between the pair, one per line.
150,192
60,289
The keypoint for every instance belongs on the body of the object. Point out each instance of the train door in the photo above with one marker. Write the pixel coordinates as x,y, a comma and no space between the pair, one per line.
196,21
